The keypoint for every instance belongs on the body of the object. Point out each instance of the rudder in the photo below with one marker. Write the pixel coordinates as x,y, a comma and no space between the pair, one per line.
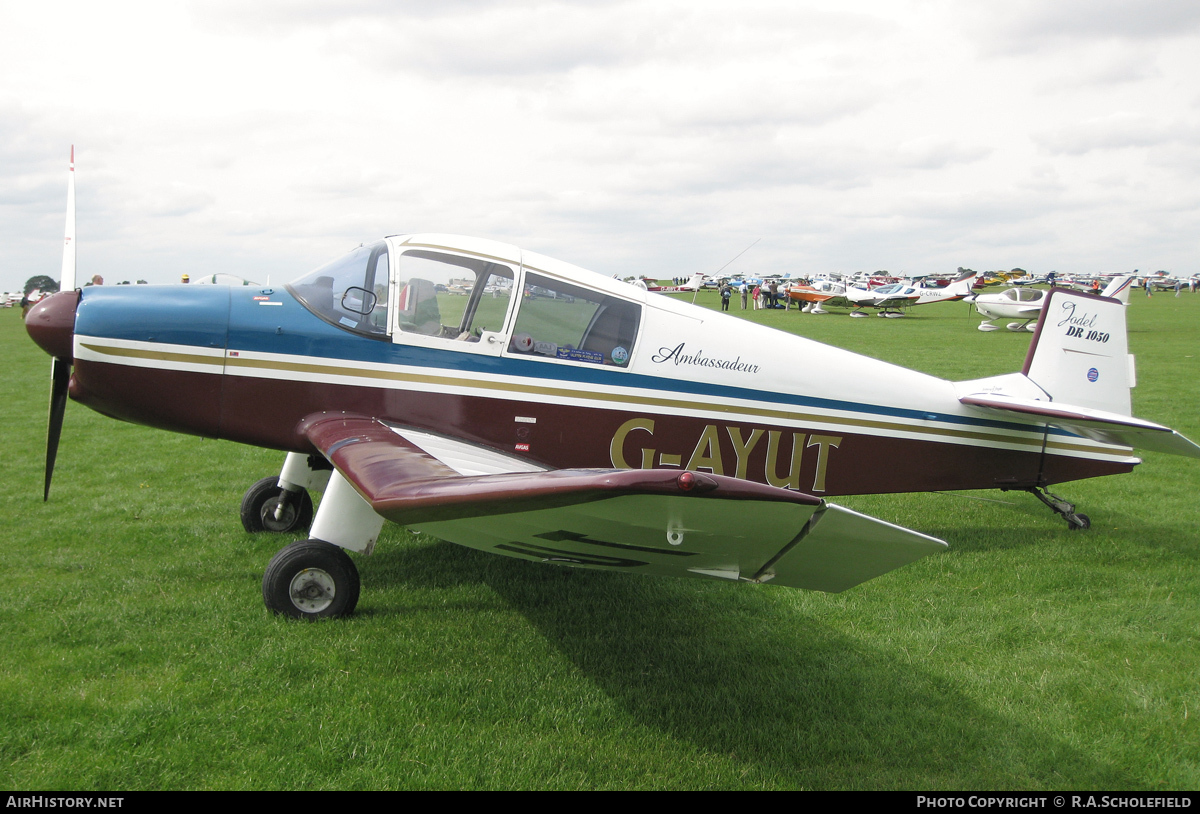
1080,352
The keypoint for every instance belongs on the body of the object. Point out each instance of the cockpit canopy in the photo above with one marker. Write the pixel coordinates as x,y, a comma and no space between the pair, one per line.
1024,294
446,293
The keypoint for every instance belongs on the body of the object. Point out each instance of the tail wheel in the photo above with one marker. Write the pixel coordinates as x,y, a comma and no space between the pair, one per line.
311,579
262,502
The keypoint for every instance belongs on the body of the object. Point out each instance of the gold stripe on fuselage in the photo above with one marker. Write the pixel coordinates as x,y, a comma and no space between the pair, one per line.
319,371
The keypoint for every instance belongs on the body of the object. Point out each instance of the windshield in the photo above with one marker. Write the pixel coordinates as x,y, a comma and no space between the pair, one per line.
351,292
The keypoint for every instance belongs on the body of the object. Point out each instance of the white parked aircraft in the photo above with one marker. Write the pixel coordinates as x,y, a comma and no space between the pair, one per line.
1025,304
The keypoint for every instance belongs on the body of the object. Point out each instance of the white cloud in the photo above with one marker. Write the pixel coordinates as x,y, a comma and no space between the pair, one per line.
656,137
1116,132
1025,26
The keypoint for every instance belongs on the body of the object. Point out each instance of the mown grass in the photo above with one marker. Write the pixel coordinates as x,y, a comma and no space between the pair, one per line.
138,654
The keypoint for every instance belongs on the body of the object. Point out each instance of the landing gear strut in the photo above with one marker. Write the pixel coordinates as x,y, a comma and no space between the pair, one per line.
1075,521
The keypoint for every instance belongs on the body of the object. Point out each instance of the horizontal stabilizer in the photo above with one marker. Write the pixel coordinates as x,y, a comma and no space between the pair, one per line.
1106,427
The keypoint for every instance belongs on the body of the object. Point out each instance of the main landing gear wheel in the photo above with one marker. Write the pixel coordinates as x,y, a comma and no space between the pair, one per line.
311,580
262,502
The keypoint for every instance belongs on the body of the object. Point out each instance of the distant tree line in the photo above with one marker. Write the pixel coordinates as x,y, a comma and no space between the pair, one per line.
41,282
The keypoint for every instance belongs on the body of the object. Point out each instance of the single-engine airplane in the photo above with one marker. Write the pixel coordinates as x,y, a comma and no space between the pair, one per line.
1025,304
595,425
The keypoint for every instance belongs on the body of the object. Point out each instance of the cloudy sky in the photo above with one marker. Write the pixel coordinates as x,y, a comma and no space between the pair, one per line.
658,137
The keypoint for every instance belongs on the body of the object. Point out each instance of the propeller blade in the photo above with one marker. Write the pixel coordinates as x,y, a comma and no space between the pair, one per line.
66,280
60,377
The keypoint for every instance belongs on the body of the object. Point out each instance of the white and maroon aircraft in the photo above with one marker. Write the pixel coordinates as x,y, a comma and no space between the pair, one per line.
556,415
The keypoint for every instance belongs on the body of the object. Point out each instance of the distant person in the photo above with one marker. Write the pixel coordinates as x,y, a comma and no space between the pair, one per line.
745,294
1178,287
757,296
185,279
726,293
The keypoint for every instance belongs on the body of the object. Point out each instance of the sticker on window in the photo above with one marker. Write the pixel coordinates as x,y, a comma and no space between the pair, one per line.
576,355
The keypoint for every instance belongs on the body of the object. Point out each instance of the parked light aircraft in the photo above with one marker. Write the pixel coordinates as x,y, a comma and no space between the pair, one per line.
603,427
1025,304
695,283
890,299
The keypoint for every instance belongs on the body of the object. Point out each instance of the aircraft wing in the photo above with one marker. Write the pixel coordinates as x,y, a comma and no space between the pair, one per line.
1099,425
648,521
895,300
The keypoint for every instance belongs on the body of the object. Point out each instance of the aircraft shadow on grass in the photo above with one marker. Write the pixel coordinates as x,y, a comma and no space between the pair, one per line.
807,704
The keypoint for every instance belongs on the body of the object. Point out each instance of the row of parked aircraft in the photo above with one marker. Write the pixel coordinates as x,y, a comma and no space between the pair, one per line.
603,427
1021,303
889,300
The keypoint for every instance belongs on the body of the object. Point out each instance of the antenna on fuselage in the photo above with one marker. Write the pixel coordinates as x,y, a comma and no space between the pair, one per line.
696,293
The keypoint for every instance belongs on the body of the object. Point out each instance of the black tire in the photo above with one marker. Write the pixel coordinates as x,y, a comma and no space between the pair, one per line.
1079,522
258,509
311,579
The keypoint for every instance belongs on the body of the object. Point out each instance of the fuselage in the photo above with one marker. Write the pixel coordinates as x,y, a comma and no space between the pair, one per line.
538,359
1013,303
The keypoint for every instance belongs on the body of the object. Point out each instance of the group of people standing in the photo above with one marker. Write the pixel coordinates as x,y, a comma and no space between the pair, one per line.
765,295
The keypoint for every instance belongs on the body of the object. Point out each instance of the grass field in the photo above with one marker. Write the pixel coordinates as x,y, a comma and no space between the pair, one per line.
138,654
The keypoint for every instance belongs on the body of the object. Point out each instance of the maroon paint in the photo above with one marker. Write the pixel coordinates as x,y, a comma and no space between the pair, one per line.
51,323
565,436
407,485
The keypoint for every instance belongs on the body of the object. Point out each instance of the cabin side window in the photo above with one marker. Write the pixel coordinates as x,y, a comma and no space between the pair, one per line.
566,322
350,292
450,296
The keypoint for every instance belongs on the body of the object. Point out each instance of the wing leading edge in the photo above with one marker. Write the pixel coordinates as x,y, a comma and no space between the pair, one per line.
649,521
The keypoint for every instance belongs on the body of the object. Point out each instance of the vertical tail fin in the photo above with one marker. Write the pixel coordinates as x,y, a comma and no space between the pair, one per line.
962,285
1078,358
1080,354
1119,288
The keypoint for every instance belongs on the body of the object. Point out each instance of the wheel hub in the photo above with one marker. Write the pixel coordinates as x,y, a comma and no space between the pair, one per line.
312,590
286,516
